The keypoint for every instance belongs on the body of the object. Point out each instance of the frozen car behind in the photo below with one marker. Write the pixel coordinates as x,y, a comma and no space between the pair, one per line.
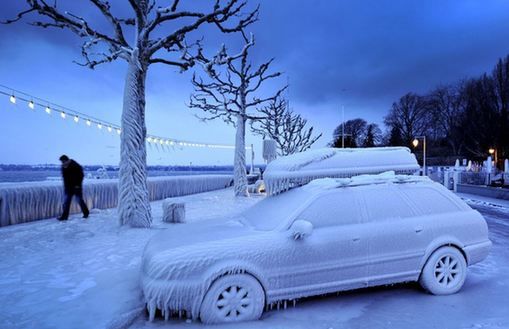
330,235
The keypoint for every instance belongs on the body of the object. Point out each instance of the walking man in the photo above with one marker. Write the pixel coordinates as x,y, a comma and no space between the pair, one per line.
72,174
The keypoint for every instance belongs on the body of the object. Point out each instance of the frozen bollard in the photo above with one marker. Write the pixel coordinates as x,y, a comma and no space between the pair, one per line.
174,211
257,188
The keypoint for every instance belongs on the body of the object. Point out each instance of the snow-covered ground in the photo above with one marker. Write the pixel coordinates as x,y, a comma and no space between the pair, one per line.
85,274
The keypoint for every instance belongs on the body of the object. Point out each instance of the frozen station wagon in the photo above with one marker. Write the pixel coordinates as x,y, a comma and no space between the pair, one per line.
327,236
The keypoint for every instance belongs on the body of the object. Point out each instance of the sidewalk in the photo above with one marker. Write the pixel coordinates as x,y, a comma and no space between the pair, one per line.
85,273
482,199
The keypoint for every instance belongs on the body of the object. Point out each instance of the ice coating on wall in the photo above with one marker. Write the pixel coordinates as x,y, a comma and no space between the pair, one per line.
25,202
301,168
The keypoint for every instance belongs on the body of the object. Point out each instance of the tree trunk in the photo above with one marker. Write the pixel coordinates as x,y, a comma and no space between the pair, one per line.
133,200
239,162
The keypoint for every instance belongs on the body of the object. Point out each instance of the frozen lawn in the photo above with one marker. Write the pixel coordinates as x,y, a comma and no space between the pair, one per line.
84,274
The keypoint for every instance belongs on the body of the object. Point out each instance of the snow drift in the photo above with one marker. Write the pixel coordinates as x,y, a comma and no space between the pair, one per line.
25,202
301,168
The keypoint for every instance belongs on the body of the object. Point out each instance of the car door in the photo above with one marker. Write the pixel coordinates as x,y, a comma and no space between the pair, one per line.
395,237
334,256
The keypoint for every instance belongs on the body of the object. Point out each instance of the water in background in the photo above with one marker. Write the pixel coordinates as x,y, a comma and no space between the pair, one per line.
42,175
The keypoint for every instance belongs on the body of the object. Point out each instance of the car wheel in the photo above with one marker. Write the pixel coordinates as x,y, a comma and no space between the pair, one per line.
233,298
444,272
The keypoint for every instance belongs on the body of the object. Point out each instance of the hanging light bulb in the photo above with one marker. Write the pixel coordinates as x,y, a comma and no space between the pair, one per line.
89,123
76,118
12,99
161,142
48,110
109,129
31,105
62,114
100,126
149,139
118,131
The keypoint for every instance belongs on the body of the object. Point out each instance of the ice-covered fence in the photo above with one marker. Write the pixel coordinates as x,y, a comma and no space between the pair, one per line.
473,178
25,202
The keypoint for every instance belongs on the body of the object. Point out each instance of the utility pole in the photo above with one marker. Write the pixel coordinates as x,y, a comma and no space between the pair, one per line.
343,127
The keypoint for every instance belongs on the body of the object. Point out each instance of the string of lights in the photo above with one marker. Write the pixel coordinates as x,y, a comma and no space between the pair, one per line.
34,103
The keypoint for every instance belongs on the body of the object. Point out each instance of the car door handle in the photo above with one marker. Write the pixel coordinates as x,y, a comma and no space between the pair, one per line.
418,229
356,239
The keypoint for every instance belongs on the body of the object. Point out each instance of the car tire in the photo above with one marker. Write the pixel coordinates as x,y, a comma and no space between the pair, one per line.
444,272
233,298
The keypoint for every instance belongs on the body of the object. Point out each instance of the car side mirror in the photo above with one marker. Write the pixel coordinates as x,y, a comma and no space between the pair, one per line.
301,229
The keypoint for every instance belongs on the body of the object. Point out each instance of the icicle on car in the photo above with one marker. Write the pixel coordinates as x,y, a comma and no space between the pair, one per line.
365,231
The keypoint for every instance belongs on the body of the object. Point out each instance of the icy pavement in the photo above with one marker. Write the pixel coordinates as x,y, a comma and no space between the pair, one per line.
84,274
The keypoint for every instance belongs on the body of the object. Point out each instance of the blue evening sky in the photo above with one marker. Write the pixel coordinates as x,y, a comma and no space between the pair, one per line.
360,54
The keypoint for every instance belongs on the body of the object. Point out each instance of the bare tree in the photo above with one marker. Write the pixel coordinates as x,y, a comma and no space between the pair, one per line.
373,135
285,127
446,104
232,95
354,133
480,119
410,116
150,44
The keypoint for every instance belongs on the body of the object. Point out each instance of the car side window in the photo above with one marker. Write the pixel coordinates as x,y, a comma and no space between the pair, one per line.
430,201
384,203
332,209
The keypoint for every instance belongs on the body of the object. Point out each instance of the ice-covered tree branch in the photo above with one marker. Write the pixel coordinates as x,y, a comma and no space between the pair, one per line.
113,46
230,93
150,44
285,127
218,16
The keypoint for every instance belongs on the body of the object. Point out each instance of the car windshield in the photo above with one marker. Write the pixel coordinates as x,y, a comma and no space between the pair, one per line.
273,211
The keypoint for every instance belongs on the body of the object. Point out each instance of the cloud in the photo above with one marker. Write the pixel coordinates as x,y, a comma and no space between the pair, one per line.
362,54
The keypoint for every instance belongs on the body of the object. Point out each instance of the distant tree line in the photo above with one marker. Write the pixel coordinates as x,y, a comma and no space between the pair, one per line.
465,118
357,133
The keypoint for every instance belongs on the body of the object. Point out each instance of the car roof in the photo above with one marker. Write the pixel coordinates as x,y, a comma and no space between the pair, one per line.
324,184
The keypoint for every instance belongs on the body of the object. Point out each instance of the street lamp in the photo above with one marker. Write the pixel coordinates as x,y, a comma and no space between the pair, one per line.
415,143
492,151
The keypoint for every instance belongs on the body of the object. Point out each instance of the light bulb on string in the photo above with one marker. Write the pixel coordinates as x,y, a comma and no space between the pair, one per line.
110,128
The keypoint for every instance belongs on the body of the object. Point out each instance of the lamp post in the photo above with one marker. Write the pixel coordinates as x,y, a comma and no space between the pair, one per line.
415,143
493,152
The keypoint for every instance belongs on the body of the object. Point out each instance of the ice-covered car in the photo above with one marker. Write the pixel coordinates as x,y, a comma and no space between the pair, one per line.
327,236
